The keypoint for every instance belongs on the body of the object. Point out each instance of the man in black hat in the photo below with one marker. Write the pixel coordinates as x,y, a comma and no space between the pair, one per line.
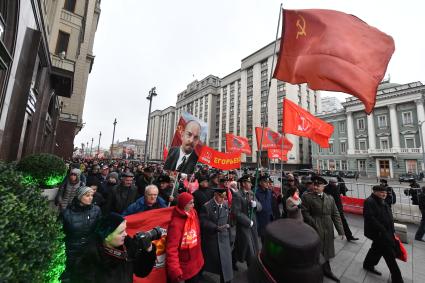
144,180
379,227
264,196
391,196
166,191
123,195
320,212
203,194
244,208
113,256
215,229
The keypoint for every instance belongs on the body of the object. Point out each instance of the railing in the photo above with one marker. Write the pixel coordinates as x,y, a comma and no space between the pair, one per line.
69,117
386,151
63,63
71,18
360,151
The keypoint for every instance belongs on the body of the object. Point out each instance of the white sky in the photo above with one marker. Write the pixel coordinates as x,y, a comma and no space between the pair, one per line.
140,44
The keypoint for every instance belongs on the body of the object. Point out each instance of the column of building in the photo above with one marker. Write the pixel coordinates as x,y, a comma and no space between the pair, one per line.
395,135
371,131
350,133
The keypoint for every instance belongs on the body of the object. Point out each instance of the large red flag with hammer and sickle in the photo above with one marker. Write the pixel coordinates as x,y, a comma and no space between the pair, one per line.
271,139
331,50
237,144
302,123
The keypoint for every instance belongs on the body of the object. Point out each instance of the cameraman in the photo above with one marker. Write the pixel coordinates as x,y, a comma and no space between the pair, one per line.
113,257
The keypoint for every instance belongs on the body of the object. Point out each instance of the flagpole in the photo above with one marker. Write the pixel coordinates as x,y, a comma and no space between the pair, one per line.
318,162
267,100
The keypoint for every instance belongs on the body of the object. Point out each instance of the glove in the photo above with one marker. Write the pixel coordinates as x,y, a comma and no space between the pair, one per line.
252,224
253,203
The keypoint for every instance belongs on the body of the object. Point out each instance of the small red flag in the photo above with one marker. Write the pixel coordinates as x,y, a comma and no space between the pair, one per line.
271,139
237,144
274,153
334,51
302,123
220,160
165,153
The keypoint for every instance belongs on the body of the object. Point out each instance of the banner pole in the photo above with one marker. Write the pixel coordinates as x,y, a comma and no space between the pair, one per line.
174,187
265,114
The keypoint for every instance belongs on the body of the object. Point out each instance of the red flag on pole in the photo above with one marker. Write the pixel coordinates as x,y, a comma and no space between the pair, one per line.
274,153
165,153
334,51
237,144
271,139
300,122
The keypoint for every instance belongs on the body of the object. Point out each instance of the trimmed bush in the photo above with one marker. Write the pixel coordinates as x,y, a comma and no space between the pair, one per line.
45,170
31,239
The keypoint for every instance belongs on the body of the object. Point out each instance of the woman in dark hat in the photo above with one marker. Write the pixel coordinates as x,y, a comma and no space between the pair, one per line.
113,256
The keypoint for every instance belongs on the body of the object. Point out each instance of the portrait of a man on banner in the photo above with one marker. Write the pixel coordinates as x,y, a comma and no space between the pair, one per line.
190,136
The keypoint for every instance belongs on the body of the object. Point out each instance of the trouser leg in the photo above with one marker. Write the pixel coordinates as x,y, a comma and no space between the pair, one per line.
391,262
421,229
373,256
347,230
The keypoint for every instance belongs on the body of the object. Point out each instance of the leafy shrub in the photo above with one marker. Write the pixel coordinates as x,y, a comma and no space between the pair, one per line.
31,237
46,170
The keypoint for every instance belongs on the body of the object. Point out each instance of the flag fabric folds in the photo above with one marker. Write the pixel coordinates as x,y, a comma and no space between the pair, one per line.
165,153
300,122
271,139
220,160
331,50
145,221
274,153
237,144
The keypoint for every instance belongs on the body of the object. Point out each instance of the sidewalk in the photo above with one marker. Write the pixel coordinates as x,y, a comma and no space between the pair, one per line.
348,263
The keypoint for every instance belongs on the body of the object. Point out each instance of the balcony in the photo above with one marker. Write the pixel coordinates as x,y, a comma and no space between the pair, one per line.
62,76
71,18
63,64
386,151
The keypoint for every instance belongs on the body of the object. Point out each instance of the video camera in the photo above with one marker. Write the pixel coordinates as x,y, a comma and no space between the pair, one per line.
144,239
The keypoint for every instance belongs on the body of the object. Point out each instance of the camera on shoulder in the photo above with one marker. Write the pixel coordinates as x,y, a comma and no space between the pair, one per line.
144,239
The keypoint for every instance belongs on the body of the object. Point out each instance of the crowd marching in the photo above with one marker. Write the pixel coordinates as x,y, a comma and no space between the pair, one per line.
219,220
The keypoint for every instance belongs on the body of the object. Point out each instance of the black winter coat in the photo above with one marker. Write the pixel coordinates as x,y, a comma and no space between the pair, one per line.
96,266
335,192
201,196
378,221
79,223
120,198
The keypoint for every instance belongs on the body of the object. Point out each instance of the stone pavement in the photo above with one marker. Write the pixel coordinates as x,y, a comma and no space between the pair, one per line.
347,264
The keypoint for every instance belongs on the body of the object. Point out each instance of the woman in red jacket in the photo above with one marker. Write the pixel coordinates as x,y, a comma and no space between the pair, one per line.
184,254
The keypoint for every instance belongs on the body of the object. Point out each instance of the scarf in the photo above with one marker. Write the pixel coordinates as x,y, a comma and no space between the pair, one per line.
190,231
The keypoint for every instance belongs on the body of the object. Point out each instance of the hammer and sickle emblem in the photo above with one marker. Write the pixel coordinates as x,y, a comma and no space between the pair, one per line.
301,26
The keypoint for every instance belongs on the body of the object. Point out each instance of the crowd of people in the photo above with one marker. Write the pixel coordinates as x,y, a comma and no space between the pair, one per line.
219,219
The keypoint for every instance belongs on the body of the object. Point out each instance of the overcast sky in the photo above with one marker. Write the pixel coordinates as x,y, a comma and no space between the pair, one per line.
140,44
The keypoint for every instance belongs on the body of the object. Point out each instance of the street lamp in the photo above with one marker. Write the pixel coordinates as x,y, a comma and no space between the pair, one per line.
91,146
98,145
113,137
422,143
152,93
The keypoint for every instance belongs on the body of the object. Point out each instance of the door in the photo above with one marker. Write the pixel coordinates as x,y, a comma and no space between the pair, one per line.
384,168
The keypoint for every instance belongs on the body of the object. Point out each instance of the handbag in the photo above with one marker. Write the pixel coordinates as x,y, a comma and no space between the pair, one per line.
400,250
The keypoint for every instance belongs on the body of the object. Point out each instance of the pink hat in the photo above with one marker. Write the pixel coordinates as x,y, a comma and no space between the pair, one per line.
184,199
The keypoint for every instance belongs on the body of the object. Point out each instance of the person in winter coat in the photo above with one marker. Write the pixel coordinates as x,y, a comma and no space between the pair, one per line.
79,221
244,209
391,196
320,212
333,189
68,189
112,256
413,192
264,196
97,197
379,227
293,204
421,229
215,230
183,250
112,182
166,191
144,180
122,196
149,201
203,194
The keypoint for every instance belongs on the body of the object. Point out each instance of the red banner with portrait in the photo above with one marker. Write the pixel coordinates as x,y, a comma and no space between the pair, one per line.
220,160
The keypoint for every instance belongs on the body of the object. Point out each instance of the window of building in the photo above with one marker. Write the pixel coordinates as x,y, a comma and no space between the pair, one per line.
249,80
249,89
264,93
331,147
409,141
384,144
62,43
344,165
264,74
343,146
362,144
361,165
249,98
407,118
264,64
249,108
264,83
280,87
263,104
360,124
342,127
69,5
411,166
382,121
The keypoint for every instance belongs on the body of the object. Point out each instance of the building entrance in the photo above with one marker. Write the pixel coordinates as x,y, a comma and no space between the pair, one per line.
384,168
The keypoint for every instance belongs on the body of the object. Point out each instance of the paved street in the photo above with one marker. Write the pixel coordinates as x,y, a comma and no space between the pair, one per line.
347,264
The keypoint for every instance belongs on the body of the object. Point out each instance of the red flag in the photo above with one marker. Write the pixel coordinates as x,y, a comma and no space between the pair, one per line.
145,221
237,144
220,160
300,122
331,50
165,153
271,139
274,153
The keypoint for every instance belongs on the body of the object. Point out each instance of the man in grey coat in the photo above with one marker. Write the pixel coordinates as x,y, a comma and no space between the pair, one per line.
244,208
215,230
320,212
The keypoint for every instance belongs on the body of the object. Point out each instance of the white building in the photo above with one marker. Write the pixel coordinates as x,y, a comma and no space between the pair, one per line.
330,104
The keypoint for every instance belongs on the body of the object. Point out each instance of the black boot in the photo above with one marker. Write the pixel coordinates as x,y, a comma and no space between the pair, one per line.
326,267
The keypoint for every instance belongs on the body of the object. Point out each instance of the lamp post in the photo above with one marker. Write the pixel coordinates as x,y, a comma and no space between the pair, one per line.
113,137
98,145
152,93
422,143
91,146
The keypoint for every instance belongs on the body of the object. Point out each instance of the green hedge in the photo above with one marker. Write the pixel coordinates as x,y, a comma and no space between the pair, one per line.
31,237
46,170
